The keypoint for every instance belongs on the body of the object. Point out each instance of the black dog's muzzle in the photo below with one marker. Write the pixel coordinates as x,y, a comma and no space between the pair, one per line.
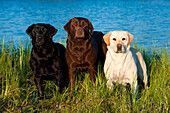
40,40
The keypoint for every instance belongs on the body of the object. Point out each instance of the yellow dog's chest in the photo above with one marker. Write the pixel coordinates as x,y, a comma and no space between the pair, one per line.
120,69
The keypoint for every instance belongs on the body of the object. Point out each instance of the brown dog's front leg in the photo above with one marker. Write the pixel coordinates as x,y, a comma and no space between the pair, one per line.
72,75
92,73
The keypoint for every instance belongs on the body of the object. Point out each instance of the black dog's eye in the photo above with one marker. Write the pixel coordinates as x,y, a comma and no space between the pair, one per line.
123,39
37,29
114,39
44,29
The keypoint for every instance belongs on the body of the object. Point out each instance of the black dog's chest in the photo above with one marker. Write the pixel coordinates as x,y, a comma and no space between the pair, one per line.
44,66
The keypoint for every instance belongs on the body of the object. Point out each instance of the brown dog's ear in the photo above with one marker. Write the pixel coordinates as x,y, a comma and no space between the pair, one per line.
29,30
130,37
52,30
67,26
90,27
107,38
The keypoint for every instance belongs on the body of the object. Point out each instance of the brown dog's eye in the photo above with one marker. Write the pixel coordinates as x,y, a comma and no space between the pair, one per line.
123,39
75,23
114,39
83,23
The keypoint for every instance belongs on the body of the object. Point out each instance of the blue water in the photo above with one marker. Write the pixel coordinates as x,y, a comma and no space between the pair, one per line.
147,20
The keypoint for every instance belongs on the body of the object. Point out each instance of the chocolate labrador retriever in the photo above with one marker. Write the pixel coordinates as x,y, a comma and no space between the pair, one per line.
84,48
47,58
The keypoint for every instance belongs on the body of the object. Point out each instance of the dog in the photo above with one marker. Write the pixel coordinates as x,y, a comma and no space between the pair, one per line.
84,48
123,64
47,58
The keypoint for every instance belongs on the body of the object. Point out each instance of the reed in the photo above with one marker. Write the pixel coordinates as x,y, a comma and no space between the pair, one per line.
18,91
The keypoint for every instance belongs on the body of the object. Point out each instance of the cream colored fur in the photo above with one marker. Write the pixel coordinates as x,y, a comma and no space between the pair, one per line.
123,66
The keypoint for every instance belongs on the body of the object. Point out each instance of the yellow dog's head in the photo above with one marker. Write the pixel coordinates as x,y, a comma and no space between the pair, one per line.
119,41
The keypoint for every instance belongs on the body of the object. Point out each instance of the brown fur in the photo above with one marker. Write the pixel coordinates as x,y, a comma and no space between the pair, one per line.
84,48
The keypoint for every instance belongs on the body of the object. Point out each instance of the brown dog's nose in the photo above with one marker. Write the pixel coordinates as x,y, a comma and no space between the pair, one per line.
80,33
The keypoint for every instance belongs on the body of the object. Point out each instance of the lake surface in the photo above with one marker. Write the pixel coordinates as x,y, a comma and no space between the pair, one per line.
147,20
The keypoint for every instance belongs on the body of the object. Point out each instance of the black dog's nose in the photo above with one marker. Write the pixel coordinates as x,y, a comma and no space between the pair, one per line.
40,37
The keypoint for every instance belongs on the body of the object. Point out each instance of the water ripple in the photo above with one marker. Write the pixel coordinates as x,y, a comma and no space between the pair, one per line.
147,20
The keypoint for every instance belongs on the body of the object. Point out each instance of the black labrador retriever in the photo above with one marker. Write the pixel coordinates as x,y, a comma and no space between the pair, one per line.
47,58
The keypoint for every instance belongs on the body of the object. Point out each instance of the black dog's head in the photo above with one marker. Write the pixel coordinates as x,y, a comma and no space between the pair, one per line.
41,33
79,27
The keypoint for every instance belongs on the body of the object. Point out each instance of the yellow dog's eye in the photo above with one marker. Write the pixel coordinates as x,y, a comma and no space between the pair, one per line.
123,39
114,39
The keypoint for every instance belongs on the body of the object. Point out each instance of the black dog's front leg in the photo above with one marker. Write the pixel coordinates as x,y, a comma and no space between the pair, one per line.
38,82
59,78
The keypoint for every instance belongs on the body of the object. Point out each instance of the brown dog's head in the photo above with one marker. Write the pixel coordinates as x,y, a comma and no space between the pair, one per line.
79,27
119,41
41,33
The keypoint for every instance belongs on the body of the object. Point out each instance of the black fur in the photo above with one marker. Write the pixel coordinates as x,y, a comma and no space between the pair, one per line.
47,58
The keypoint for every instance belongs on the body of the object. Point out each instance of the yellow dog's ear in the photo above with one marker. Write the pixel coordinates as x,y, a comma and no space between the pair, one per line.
130,37
107,38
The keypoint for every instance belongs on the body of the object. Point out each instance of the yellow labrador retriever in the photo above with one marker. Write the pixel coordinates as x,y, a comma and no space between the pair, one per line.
123,63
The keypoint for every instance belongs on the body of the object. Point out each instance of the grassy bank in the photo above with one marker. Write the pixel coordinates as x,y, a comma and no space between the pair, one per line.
18,91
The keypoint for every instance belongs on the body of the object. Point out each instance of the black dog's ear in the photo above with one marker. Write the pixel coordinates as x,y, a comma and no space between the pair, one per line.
90,27
52,30
67,26
29,30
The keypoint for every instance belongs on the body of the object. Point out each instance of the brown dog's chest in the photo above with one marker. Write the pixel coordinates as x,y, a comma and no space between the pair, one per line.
78,50
80,55
79,59
80,66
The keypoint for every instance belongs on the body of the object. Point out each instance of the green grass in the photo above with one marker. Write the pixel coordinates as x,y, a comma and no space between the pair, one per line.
18,91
